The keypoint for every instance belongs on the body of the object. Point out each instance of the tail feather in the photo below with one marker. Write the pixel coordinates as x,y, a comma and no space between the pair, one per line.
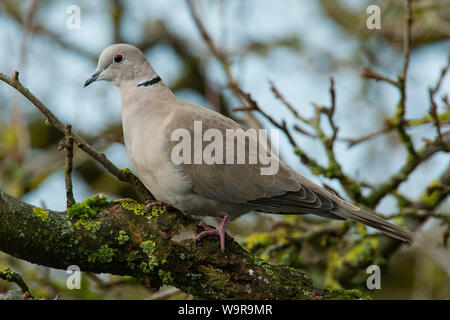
372,220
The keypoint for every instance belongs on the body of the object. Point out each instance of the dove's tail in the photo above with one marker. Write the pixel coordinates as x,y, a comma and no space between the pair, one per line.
349,211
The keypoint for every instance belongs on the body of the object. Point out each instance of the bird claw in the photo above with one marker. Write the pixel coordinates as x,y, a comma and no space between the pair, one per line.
149,204
211,231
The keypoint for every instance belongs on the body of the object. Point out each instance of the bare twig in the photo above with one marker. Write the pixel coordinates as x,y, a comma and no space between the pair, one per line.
291,108
401,107
369,74
444,71
390,126
334,169
67,145
245,108
433,106
354,141
122,175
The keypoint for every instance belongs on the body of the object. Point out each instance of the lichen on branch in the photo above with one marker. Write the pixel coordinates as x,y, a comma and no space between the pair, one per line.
157,247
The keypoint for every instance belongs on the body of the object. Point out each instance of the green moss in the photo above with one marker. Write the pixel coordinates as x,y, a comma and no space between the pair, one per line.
104,255
148,247
122,238
194,276
165,276
268,269
86,211
306,293
89,208
156,211
143,267
40,213
217,279
140,209
126,170
256,261
7,274
88,225
134,255
133,206
344,294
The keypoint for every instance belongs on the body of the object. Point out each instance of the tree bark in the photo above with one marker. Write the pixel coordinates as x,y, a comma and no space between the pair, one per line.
157,247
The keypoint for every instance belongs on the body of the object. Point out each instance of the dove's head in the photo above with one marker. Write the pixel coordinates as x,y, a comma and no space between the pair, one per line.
122,63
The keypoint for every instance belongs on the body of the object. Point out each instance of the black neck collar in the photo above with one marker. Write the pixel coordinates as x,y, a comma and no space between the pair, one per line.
148,83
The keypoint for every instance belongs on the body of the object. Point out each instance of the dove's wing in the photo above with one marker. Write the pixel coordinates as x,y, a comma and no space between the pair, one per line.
283,192
244,183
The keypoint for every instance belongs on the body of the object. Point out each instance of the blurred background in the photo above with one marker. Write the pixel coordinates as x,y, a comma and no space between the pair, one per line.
297,44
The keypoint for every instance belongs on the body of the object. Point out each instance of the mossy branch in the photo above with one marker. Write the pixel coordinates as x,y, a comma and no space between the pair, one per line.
10,275
158,248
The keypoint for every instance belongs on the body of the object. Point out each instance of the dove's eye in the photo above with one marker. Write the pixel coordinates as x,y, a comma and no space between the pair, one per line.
118,58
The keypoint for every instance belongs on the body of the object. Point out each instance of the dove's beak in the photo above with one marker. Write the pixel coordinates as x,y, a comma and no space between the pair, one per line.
92,78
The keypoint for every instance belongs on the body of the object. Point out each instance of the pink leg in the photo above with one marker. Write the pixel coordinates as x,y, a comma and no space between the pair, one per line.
153,203
221,231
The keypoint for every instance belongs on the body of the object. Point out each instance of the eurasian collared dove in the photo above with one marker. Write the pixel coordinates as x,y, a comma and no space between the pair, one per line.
151,114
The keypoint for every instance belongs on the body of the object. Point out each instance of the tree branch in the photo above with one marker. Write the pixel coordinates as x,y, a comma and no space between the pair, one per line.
411,164
10,275
121,238
122,175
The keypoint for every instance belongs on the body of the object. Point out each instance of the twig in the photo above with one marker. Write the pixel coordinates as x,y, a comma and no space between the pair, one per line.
441,77
330,113
433,107
245,108
390,125
67,145
369,74
10,275
401,107
354,141
291,108
446,101
434,116
403,174
304,132
334,169
214,49
399,121
122,175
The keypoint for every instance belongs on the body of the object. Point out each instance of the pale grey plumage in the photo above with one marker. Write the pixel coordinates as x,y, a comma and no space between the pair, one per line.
151,113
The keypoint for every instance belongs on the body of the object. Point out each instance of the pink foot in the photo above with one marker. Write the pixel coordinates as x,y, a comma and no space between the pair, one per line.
149,204
211,231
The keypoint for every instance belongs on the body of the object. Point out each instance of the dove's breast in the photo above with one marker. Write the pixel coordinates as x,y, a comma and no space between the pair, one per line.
144,141
147,142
